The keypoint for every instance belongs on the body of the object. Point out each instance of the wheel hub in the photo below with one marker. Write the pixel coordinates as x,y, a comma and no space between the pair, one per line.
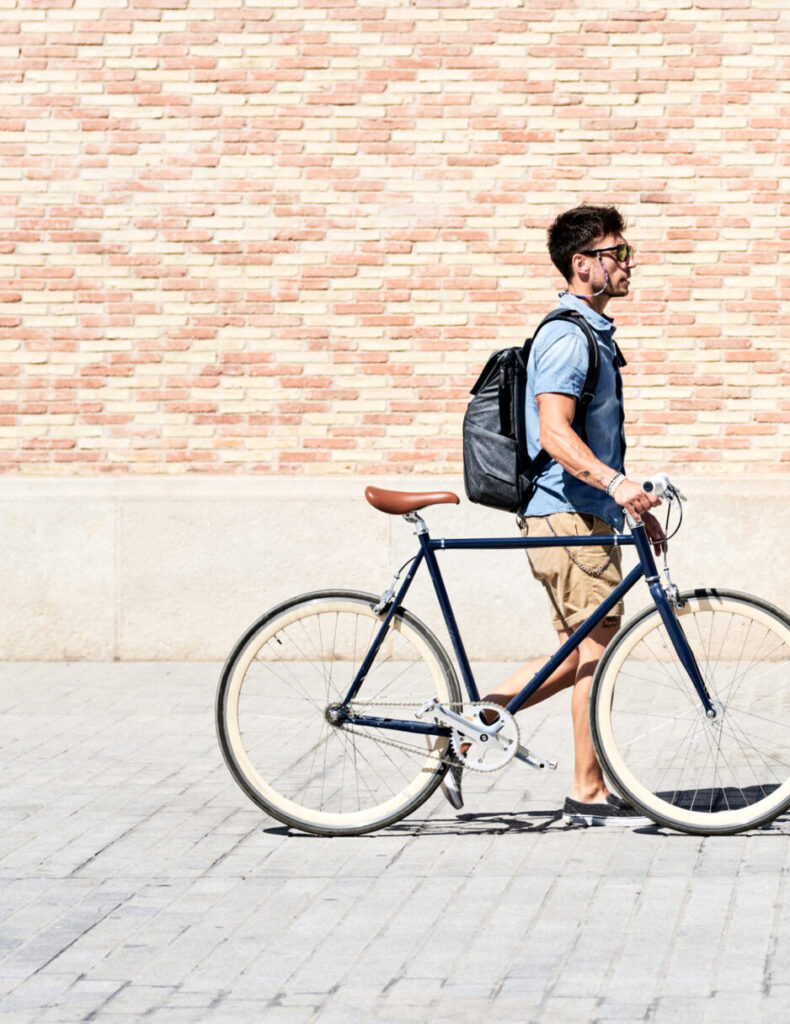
335,714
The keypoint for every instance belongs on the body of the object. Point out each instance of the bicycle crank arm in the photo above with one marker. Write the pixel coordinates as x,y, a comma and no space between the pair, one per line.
533,760
443,716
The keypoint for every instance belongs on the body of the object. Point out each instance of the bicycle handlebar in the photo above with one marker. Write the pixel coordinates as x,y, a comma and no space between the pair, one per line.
660,485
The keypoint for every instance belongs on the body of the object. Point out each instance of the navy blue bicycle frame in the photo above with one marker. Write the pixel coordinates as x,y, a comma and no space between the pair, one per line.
428,547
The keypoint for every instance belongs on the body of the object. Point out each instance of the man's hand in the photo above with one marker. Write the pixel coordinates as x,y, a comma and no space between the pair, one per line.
655,533
633,499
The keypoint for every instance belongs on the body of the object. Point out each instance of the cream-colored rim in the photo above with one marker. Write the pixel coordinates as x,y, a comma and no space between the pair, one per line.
327,819
720,820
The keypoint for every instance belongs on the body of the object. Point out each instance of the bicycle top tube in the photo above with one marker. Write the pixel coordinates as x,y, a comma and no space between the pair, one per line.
498,543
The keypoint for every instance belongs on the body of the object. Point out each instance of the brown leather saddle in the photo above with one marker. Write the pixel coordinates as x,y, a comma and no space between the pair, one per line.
399,503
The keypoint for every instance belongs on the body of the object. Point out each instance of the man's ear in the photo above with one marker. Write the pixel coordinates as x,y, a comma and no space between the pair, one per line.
579,264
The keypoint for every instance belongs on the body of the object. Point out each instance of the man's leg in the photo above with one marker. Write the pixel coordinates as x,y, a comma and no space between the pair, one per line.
560,679
574,593
577,671
590,802
588,782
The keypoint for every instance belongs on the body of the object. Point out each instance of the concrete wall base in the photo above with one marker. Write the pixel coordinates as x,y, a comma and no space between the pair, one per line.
176,568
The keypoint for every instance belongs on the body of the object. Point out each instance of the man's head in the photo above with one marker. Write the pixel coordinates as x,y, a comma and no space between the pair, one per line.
587,246
581,228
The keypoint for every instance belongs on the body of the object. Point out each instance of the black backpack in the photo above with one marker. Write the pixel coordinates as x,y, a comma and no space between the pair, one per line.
498,471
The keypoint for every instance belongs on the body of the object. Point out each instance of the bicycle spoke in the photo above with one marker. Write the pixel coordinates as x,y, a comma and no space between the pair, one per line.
686,746
738,729
750,758
664,724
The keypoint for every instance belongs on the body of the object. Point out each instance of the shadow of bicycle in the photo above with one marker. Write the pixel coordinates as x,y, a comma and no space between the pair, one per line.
720,798
497,823
517,822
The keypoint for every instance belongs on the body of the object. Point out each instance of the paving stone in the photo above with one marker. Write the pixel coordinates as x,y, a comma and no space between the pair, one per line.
137,882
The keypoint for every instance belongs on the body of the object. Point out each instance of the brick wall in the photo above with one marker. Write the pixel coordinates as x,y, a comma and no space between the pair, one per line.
282,238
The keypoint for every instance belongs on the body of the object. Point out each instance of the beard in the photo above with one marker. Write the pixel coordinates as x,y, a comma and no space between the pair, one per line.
618,288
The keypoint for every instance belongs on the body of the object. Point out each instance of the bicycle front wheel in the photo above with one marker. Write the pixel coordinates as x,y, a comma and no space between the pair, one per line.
281,740
652,736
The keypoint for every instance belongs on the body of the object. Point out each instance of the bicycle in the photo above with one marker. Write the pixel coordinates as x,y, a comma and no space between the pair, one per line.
339,712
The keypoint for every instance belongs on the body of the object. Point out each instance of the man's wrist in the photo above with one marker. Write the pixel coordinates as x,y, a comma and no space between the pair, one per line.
614,483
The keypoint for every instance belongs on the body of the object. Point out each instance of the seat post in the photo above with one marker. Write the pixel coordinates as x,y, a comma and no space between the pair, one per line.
421,527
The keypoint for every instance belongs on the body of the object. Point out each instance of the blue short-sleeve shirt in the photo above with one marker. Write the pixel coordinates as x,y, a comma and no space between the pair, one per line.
558,364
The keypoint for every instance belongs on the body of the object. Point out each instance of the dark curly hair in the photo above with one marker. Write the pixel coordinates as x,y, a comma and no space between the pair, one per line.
577,229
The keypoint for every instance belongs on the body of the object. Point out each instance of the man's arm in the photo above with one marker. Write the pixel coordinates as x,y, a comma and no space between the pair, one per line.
559,440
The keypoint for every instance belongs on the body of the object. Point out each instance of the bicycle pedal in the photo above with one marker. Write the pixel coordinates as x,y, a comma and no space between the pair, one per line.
533,760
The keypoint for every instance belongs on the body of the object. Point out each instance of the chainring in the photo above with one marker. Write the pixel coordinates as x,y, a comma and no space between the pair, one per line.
485,753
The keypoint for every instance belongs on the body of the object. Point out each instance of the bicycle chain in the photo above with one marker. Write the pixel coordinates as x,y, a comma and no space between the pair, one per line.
452,705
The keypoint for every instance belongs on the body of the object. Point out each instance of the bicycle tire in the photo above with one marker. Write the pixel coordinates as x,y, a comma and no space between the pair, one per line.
274,733
650,732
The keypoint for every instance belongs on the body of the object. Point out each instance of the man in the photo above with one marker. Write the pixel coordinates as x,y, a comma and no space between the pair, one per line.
582,490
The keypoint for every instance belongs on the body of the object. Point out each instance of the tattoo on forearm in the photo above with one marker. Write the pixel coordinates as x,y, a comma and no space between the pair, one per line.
591,478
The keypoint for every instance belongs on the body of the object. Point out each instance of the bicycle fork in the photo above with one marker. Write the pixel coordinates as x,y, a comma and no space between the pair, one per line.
671,622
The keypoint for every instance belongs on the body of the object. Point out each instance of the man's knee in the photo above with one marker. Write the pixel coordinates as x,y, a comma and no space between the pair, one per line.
593,646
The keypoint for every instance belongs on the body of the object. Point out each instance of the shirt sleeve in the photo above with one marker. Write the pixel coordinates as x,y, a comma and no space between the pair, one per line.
561,359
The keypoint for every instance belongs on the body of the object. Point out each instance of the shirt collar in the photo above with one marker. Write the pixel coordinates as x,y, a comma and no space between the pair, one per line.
599,321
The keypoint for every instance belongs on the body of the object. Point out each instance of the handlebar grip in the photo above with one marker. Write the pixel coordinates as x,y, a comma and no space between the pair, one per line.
658,484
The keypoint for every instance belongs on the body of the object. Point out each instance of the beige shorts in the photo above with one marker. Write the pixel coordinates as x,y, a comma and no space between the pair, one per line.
573,592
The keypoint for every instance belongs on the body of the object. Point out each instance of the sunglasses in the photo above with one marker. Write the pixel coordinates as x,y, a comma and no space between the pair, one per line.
620,252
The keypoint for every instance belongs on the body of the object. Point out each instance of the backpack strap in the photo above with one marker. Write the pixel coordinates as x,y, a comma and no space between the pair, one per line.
542,459
594,361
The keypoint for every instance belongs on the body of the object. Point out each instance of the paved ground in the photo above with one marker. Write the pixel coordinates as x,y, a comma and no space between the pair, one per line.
138,883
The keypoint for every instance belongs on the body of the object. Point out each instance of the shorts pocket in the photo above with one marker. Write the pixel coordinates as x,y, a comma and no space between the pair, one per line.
594,560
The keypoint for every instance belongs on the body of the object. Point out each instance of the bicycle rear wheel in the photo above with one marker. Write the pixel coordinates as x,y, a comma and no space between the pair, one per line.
687,771
278,737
